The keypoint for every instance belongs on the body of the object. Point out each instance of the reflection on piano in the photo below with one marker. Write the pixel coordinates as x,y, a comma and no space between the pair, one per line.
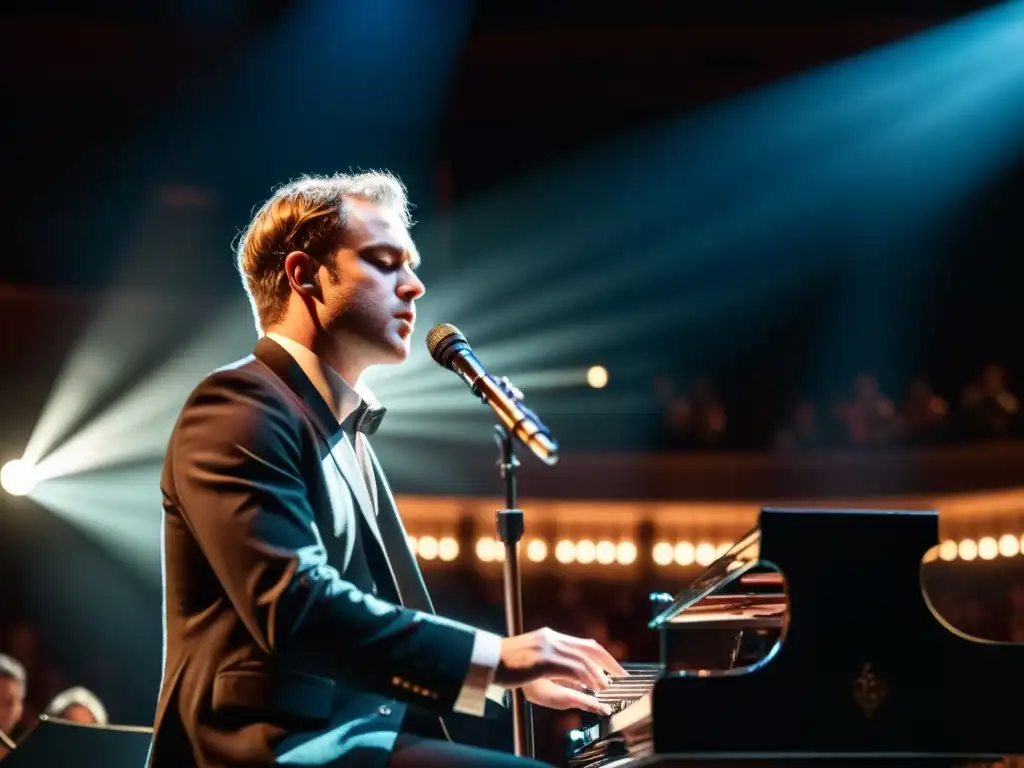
811,641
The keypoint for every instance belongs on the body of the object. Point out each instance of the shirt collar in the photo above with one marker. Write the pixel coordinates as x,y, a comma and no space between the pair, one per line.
342,398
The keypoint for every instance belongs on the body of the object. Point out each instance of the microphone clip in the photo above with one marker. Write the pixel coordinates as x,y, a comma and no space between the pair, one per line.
508,387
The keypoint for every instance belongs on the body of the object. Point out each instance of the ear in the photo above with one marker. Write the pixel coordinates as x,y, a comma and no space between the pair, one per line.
300,269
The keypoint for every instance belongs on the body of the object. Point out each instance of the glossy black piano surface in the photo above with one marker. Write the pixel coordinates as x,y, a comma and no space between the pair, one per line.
812,642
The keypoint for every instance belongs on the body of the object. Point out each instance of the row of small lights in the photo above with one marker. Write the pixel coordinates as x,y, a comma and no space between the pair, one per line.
566,551
985,548
665,553
445,548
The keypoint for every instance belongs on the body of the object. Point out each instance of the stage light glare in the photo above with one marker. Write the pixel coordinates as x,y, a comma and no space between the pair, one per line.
597,377
18,477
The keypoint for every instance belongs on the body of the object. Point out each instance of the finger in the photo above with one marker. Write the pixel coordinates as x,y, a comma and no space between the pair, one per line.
587,703
598,675
570,663
567,669
594,650
597,652
568,682
595,678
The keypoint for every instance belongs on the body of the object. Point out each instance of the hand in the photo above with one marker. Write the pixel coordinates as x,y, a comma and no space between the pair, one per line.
545,653
563,694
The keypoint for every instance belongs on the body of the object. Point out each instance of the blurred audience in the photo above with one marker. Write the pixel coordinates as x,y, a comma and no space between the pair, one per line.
924,414
991,410
677,413
20,703
79,705
709,419
697,420
802,431
867,419
12,698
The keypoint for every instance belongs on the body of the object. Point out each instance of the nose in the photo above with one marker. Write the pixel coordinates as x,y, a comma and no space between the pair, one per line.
410,287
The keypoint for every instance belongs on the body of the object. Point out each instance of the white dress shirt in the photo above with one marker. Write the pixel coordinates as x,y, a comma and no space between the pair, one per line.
343,399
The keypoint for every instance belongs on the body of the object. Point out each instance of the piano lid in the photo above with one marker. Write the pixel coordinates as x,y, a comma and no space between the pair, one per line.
741,558
741,566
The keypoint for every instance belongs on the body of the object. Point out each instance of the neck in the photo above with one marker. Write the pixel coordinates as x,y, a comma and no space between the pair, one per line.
332,349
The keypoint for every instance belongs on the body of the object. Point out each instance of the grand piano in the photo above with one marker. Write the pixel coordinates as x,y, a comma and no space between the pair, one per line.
811,641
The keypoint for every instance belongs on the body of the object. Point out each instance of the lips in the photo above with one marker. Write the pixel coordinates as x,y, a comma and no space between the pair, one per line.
409,317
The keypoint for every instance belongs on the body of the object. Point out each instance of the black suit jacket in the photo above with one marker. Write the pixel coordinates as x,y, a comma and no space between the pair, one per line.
283,640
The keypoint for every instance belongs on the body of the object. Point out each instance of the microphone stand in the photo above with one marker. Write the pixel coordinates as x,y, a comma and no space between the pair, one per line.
510,531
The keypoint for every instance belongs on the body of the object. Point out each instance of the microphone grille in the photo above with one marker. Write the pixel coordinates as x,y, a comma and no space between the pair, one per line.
440,338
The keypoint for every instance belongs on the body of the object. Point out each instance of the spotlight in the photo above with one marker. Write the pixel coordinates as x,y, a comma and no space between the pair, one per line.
597,376
18,477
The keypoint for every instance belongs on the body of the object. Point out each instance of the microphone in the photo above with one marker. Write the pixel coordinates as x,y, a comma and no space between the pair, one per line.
450,350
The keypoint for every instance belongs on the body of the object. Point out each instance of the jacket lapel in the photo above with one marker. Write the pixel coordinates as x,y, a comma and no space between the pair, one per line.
342,453
396,544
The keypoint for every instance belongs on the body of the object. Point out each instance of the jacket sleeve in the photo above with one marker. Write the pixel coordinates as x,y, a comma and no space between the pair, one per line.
237,452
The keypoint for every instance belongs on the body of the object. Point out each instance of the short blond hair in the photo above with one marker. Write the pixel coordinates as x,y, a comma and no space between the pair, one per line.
307,215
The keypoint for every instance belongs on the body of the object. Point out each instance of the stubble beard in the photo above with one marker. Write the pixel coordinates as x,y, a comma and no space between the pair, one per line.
361,329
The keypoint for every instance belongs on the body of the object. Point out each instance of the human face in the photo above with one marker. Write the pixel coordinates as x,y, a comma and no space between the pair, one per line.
12,701
78,714
369,303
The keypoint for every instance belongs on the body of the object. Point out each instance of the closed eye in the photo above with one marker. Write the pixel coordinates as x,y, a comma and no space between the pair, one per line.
386,257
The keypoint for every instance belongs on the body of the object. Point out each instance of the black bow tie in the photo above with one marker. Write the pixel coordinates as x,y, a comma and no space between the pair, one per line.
367,419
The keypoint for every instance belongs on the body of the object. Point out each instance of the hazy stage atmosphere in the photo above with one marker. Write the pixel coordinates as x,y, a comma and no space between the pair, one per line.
735,256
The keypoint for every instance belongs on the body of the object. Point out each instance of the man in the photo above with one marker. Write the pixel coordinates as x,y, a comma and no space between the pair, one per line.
298,627
79,705
12,697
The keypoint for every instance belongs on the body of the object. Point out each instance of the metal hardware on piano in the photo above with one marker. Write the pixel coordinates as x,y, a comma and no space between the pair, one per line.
811,641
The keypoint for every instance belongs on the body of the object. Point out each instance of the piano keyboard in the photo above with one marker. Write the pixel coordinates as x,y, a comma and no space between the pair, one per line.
630,702
630,715
624,691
